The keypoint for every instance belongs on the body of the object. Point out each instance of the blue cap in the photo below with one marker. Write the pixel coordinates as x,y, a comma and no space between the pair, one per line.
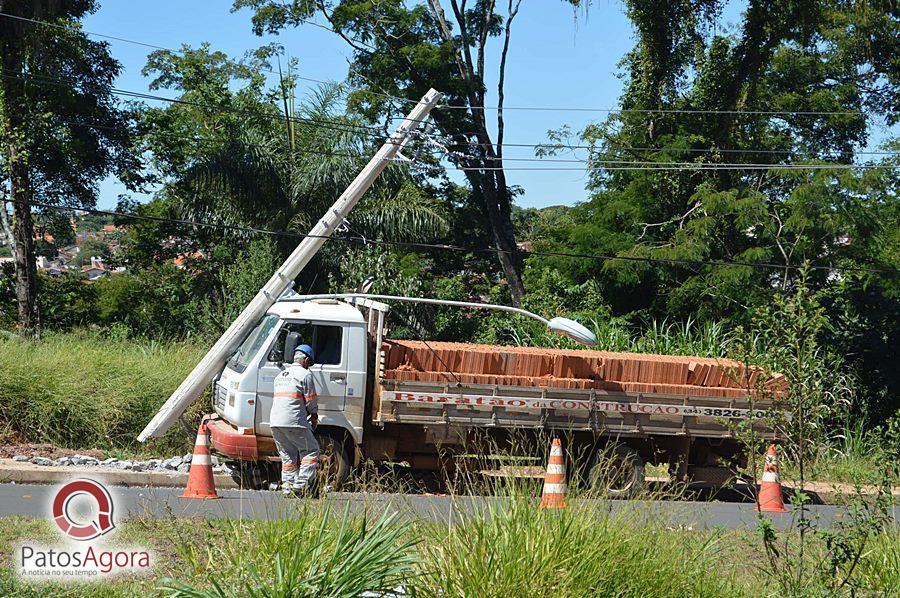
305,349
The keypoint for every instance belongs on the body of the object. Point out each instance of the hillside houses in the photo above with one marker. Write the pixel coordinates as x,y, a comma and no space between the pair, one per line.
71,259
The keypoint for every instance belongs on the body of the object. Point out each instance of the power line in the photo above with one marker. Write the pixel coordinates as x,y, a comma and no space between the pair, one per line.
688,166
212,141
590,164
558,146
457,248
130,41
661,110
475,108
148,96
705,150
156,47
141,95
356,128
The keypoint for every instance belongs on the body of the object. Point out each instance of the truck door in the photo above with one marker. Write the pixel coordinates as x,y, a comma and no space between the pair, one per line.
329,368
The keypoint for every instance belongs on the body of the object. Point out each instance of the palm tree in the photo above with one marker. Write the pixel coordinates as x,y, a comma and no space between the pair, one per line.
282,173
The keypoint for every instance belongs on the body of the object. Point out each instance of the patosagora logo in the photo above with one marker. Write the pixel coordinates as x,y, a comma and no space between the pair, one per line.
82,511
101,525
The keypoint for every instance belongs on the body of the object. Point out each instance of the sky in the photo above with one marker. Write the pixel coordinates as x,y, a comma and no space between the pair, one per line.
558,58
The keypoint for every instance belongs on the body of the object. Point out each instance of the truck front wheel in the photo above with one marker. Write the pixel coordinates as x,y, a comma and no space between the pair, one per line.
616,471
253,475
334,462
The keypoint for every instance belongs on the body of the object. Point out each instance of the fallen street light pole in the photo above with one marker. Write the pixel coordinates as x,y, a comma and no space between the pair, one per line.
212,363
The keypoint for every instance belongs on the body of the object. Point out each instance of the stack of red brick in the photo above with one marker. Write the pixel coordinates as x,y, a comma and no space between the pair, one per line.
562,368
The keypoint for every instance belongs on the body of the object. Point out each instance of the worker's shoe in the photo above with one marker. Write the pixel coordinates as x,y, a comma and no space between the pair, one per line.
302,490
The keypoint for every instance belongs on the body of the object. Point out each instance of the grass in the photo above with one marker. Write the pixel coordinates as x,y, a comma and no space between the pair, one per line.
511,548
853,456
85,390
508,549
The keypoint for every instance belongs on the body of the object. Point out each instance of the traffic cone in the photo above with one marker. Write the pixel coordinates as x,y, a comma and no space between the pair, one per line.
769,499
200,480
554,495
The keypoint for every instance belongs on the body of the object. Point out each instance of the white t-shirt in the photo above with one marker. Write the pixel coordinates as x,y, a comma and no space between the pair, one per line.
294,398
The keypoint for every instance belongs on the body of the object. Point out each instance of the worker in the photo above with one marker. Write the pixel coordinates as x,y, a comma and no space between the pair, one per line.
293,419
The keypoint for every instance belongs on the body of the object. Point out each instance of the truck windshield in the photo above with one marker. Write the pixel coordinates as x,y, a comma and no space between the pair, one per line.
250,347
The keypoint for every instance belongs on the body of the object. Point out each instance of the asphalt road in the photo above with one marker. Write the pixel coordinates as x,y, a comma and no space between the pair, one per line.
27,500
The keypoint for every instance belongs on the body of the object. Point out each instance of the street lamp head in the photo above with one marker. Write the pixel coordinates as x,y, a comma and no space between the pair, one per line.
573,330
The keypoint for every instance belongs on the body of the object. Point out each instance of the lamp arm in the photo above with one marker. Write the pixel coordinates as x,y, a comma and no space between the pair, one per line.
515,310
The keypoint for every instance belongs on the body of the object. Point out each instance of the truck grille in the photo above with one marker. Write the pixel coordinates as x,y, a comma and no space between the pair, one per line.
220,394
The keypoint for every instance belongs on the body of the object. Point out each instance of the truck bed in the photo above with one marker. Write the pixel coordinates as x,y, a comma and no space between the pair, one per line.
611,393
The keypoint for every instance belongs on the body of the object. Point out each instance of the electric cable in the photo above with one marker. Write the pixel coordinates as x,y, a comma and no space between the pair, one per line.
462,249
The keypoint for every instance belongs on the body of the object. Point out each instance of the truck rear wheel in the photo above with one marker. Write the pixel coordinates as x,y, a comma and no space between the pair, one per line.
334,462
616,471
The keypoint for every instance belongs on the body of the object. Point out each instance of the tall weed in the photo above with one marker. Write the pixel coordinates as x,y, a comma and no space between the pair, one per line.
311,553
511,548
84,390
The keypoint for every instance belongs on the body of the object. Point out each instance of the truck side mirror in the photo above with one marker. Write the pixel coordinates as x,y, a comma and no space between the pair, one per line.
291,340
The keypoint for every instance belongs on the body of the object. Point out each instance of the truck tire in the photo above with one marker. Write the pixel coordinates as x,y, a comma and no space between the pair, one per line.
253,475
616,471
334,462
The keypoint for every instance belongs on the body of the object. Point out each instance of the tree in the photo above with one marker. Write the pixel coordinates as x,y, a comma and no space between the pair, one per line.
793,83
261,159
403,49
89,250
706,100
62,129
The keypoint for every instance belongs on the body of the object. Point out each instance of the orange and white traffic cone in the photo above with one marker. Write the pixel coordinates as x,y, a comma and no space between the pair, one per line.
554,495
770,500
200,479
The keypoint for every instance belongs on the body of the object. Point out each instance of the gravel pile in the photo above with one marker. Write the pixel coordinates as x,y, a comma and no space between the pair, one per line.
180,464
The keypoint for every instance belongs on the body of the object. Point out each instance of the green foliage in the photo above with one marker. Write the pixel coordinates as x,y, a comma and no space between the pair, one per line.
511,548
151,242
832,561
890,441
238,284
45,249
790,57
59,226
67,301
788,336
213,551
539,224
404,49
85,390
269,164
65,157
158,302
311,554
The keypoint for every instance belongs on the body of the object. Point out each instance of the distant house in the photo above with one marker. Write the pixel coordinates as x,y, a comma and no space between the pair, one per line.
182,259
96,270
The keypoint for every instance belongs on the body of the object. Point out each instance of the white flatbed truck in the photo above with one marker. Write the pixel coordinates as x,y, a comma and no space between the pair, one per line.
365,415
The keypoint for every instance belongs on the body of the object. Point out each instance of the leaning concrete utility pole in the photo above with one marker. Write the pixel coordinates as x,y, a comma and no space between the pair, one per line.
215,359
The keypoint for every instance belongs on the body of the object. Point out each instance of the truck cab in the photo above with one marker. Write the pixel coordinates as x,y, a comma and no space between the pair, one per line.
242,394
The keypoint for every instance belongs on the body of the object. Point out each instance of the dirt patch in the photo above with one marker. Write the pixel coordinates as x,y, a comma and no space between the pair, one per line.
8,451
